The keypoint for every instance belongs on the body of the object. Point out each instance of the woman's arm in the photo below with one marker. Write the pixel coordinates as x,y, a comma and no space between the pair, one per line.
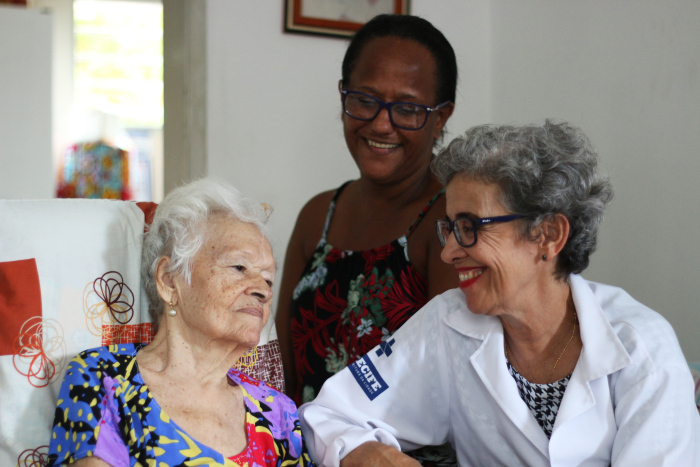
397,395
307,232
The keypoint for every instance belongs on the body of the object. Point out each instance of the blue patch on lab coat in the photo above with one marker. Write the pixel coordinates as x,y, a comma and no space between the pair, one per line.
368,377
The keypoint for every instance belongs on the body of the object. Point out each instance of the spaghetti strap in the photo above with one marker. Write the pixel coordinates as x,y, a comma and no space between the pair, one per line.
422,214
331,208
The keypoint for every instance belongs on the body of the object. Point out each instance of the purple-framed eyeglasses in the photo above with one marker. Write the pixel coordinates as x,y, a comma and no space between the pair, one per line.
465,228
404,115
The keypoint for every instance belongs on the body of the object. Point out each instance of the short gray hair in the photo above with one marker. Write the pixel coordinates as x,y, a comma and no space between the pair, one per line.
541,171
179,227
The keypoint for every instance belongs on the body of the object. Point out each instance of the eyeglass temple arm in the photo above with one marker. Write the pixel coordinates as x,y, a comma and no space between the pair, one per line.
490,220
437,107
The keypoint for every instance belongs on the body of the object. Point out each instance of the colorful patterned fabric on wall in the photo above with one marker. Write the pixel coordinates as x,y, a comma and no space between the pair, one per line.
94,170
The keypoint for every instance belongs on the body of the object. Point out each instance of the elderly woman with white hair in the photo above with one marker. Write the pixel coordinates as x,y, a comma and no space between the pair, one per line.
208,271
526,363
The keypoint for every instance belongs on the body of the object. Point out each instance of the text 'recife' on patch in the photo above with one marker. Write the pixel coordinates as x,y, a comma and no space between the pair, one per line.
368,377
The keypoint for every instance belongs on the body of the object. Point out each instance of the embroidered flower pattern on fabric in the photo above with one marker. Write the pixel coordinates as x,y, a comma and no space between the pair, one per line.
107,301
36,347
38,457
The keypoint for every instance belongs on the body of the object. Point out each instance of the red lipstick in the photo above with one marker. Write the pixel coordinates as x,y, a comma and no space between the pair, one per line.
469,276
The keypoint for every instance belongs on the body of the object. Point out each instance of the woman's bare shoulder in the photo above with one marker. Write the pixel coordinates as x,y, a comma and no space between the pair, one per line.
317,207
310,222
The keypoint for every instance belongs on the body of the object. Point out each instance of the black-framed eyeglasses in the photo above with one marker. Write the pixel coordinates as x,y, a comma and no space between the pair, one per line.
404,115
465,228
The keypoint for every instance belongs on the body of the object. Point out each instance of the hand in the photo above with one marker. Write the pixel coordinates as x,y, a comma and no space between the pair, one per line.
374,453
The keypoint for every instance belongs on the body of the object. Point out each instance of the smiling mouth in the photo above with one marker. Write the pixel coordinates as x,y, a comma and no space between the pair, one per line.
470,274
377,144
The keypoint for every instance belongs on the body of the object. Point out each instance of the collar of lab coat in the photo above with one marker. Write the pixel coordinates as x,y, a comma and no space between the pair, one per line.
602,354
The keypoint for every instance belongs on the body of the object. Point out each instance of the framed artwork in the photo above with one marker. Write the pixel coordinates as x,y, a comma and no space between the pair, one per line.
336,17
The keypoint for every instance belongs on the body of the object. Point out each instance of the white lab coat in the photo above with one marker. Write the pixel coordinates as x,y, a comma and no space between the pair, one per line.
629,402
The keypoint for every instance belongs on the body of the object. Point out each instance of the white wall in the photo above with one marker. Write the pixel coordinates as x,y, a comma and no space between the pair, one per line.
61,13
25,104
628,73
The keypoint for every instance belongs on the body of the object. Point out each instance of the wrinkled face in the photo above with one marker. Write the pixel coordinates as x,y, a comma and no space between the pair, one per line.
231,290
498,273
393,69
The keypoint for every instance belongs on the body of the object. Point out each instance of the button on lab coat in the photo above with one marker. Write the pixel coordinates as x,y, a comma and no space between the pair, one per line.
443,377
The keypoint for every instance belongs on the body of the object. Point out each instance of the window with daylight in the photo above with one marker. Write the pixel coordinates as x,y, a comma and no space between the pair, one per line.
118,86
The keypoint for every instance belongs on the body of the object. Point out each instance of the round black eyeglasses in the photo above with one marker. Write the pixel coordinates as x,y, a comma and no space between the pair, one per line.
465,228
404,115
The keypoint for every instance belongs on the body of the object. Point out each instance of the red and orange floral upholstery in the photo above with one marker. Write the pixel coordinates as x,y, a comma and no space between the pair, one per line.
70,280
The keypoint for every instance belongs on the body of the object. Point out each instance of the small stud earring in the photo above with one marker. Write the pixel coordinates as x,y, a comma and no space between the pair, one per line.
544,258
172,311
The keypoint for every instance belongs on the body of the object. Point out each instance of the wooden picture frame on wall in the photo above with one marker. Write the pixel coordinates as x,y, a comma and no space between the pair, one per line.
336,17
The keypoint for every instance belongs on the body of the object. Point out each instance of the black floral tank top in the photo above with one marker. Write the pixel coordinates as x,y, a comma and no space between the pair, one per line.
348,301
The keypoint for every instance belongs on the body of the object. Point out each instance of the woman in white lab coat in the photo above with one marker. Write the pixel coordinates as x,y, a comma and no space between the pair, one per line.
537,366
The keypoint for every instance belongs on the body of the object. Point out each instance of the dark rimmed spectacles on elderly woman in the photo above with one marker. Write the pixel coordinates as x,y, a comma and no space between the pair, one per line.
404,115
465,228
